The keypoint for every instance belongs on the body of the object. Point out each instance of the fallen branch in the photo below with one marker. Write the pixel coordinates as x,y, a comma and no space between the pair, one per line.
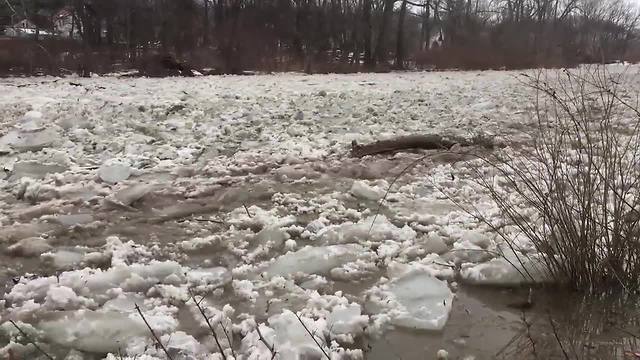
422,142
411,142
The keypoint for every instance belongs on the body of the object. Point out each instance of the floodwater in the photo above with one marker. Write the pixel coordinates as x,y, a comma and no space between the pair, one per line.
486,323
491,323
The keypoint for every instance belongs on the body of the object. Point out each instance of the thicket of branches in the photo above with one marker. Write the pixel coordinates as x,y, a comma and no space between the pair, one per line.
335,35
574,194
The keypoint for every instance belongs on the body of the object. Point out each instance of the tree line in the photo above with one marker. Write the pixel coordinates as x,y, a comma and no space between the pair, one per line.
340,35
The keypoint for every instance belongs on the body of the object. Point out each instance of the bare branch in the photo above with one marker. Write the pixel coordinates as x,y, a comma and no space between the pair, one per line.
164,349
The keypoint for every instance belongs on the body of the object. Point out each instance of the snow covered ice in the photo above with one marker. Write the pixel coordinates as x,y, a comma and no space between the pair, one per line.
124,192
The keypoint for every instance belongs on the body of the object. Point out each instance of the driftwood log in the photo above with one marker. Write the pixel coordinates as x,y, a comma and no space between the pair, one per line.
410,142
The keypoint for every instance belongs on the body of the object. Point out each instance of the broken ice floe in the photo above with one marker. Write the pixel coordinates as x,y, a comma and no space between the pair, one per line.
415,300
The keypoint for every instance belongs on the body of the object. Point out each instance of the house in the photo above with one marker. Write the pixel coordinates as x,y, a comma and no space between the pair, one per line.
36,25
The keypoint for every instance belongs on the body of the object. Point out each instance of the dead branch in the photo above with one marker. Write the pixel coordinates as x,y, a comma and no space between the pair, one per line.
418,142
272,348
557,337
247,210
312,336
206,319
226,334
410,142
164,349
528,325
30,341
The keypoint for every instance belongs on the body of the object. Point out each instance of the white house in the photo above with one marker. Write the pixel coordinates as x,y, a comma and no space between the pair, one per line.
26,28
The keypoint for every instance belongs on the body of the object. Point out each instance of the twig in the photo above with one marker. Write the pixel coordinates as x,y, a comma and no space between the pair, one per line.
557,336
312,337
153,333
395,179
529,336
31,341
247,210
226,334
206,319
271,348
209,220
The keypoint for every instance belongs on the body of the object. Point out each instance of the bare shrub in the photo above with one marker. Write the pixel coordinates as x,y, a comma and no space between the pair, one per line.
486,56
574,192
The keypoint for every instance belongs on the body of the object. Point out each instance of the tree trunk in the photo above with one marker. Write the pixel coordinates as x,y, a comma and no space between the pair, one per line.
400,41
87,33
381,49
426,27
369,60
205,34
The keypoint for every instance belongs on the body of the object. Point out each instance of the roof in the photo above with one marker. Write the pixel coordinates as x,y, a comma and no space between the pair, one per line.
39,21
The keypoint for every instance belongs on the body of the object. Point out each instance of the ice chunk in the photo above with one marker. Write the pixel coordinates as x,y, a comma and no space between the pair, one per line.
442,355
92,331
214,277
362,190
347,319
34,170
316,225
29,247
62,297
114,171
183,344
476,238
506,271
29,141
292,340
315,260
272,237
31,121
416,300
433,243
131,194
62,259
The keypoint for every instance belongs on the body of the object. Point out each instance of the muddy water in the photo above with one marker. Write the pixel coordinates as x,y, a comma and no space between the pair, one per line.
490,323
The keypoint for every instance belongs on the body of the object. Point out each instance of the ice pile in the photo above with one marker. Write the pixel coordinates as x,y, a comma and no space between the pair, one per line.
382,229
331,319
